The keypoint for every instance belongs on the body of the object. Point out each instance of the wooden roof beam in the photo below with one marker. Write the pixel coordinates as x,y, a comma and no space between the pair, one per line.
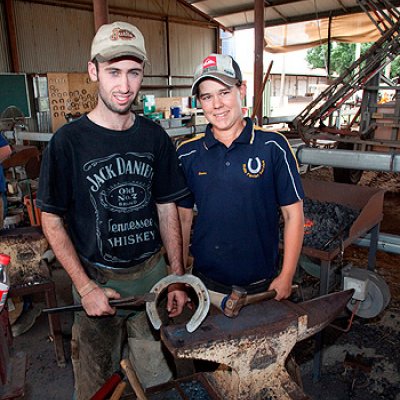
249,7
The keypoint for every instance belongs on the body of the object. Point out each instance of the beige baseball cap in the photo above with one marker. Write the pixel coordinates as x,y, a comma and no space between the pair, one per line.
220,67
116,40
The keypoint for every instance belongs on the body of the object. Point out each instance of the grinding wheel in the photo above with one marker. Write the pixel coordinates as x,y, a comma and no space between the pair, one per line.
378,295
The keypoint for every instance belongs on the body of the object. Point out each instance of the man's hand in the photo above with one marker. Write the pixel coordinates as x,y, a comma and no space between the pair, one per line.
177,299
96,303
282,286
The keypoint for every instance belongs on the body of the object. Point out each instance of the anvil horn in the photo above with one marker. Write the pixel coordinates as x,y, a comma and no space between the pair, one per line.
321,311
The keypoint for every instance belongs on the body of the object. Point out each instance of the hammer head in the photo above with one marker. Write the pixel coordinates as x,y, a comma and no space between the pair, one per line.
235,301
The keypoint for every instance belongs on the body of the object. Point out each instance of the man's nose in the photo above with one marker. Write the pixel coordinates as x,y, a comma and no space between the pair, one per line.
124,83
217,102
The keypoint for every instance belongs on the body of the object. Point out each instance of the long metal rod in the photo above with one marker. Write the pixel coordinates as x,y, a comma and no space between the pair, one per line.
258,53
363,160
132,301
386,242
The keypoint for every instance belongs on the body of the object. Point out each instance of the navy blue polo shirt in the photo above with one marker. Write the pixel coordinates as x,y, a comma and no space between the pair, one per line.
238,192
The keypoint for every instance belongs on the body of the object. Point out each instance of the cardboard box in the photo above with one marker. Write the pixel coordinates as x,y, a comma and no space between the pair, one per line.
165,103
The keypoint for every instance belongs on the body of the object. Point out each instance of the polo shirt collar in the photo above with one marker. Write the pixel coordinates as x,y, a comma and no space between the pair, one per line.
247,135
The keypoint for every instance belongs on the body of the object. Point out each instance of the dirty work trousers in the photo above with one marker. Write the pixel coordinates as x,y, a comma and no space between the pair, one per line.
98,343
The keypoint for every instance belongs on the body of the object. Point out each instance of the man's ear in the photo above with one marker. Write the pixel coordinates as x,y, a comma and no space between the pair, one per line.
243,89
92,70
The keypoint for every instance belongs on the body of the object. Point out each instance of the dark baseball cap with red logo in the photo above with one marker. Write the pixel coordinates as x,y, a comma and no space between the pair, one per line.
221,67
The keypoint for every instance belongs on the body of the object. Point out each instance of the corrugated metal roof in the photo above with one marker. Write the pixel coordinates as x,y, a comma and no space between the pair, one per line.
239,14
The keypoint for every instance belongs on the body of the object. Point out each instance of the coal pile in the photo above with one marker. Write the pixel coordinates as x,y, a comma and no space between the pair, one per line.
326,224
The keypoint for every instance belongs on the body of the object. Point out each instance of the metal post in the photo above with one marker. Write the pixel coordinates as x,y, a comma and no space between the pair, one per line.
100,13
12,35
323,289
258,53
373,247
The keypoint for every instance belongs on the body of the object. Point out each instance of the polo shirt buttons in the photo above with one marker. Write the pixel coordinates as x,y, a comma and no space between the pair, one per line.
227,163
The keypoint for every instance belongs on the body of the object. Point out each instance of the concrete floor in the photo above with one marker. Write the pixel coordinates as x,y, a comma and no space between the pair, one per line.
44,379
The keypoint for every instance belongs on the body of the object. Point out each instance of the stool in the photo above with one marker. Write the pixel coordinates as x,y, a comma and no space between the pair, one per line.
48,288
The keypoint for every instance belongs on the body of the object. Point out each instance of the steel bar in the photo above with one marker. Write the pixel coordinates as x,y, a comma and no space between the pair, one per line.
362,160
386,242
133,301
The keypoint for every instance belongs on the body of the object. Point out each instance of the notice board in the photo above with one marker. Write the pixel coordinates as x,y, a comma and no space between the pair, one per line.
70,93
14,92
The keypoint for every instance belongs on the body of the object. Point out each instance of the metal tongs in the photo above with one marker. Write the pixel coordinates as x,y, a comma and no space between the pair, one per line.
126,302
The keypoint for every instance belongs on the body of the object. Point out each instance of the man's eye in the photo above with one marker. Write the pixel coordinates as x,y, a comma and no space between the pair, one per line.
206,97
114,72
225,93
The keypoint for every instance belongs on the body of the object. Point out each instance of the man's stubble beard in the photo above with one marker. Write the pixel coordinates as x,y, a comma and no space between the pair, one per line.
113,108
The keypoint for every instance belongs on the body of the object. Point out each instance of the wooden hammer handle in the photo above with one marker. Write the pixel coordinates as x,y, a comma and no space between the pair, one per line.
117,393
133,379
255,298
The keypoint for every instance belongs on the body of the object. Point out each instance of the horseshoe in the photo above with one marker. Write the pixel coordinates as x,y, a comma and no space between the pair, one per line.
201,292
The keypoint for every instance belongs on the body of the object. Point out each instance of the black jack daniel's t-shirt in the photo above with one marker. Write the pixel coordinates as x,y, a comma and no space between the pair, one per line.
106,185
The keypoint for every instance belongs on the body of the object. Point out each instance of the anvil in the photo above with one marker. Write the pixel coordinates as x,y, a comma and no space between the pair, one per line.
254,346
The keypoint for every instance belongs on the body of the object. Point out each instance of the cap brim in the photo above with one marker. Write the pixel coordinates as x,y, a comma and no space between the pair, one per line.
121,51
226,80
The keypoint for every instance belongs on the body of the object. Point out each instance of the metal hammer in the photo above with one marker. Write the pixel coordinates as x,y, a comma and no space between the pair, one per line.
233,303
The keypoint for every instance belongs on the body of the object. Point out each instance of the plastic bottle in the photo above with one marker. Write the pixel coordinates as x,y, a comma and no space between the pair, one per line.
4,280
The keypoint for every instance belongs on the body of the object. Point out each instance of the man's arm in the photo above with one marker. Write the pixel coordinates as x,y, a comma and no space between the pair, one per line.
292,243
186,220
5,152
172,239
93,298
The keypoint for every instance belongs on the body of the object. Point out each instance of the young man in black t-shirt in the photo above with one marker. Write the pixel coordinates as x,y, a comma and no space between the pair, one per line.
112,177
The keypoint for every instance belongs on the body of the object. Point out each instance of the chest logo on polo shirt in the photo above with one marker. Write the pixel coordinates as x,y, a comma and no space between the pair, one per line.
254,167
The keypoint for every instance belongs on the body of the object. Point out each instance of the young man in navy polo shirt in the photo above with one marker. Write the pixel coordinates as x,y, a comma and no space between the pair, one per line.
240,176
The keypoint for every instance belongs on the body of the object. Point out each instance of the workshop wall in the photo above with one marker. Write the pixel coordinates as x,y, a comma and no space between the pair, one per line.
188,46
56,38
60,44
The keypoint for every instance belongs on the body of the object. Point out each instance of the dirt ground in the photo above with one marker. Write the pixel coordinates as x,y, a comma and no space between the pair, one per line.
362,364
